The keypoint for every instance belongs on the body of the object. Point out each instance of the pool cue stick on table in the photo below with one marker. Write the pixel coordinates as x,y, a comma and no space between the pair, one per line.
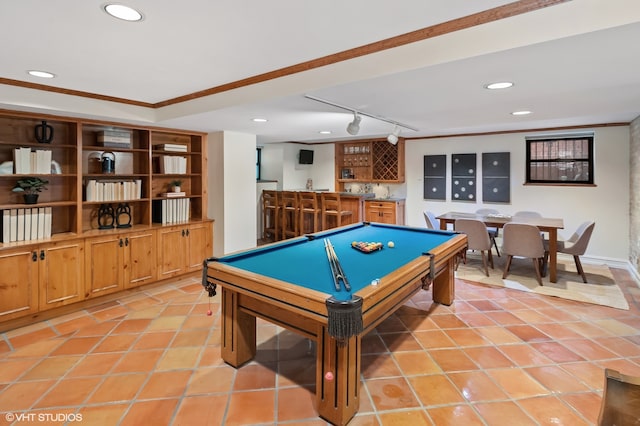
336,267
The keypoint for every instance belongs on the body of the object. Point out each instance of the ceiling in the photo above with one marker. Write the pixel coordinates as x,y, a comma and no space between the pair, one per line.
214,65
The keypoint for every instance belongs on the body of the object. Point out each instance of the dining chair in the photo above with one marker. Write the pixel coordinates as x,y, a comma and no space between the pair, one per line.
430,220
620,399
523,240
526,213
492,230
576,245
477,239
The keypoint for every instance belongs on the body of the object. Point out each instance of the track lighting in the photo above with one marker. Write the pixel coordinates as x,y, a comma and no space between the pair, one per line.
354,127
393,137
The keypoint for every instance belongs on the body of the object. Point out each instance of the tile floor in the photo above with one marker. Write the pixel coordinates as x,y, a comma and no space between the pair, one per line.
495,357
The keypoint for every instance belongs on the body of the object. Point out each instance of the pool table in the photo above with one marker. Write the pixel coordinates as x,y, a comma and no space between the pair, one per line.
290,283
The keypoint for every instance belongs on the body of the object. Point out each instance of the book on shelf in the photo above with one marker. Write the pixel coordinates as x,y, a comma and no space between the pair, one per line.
172,164
110,190
174,147
168,211
174,194
26,224
114,138
27,161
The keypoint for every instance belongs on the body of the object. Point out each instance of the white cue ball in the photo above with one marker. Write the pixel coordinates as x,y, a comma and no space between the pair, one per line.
390,244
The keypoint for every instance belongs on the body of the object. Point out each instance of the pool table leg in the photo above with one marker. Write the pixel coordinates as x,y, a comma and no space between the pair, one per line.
443,286
238,331
337,397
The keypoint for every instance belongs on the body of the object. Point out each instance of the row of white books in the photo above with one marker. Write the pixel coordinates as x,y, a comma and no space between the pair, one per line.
97,190
174,210
172,164
26,224
27,161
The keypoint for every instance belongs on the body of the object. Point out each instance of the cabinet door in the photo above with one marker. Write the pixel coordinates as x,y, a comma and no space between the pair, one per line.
61,267
104,266
373,213
387,213
200,243
140,258
19,289
172,251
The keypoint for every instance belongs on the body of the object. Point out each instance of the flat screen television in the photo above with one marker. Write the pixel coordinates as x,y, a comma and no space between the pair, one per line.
305,156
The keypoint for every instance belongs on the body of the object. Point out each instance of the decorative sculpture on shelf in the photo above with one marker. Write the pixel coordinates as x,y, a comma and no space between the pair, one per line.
123,215
106,217
44,132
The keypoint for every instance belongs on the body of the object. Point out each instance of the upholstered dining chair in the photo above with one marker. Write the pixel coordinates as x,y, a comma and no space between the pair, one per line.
526,213
430,220
523,240
492,230
620,399
477,239
576,245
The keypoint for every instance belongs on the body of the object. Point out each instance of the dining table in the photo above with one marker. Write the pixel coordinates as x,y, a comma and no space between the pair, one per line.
548,225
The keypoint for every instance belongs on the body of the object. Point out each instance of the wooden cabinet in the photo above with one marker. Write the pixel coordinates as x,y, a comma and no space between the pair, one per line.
369,161
120,261
182,248
19,289
385,211
50,275
61,273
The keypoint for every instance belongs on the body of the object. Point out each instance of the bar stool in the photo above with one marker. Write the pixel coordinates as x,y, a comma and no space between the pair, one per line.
289,212
270,215
309,208
332,207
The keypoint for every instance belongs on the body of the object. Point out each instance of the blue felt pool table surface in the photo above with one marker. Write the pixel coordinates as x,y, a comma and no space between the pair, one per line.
303,261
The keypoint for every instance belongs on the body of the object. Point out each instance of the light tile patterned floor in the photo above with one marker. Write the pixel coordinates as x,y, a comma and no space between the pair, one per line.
495,357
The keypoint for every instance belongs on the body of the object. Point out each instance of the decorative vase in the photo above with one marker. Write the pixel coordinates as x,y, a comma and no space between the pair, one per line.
30,198
176,189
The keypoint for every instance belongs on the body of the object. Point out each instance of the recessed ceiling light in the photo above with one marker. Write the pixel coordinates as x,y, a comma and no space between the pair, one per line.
521,112
498,85
325,132
259,120
123,12
41,74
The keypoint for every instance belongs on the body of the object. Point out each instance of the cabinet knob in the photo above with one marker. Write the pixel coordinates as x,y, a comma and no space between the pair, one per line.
34,256
183,232
126,241
120,242
187,232
41,254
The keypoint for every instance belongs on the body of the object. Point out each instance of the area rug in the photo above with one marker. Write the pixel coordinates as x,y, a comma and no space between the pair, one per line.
600,289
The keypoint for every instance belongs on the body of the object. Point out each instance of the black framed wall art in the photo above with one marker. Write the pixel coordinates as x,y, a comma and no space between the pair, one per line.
435,177
463,177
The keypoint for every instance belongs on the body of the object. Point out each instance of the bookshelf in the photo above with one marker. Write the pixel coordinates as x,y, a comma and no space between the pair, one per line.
86,154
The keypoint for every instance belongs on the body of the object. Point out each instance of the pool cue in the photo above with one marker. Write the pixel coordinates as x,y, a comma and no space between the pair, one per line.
334,273
338,271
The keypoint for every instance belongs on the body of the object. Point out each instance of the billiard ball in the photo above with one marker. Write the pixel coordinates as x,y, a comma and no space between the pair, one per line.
209,313
390,244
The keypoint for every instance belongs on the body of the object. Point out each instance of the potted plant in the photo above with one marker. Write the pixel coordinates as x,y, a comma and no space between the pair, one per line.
176,185
30,187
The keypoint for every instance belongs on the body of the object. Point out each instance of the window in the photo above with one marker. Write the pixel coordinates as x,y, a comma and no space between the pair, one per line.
258,162
560,159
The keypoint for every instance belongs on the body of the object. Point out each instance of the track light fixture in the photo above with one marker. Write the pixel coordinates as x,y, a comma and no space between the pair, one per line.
354,127
393,137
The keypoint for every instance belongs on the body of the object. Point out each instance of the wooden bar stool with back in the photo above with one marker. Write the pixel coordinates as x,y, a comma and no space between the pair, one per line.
332,208
289,212
270,215
310,213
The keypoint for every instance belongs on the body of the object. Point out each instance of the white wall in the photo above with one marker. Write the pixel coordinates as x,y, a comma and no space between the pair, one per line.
232,190
280,162
607,203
